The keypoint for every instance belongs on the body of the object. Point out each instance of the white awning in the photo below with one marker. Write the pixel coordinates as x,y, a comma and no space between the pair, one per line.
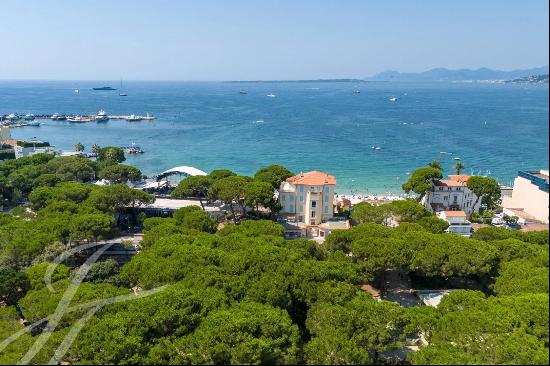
185,170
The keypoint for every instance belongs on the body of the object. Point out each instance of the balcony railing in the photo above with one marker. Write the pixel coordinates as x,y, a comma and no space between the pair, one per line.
538,181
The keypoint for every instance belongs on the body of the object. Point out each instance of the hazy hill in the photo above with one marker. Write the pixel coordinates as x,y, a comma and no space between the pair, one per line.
443,74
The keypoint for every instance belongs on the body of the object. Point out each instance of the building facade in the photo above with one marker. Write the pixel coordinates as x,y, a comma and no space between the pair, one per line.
458,222
451,195
308,197
530,194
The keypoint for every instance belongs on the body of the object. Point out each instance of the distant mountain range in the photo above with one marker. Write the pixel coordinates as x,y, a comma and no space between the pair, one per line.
442,74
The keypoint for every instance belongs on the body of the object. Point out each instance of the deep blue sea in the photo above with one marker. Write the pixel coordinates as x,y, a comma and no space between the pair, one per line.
495,129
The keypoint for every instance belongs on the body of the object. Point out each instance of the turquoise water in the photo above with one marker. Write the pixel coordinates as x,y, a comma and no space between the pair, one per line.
493,128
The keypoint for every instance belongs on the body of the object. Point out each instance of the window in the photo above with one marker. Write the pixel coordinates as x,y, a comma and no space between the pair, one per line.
301,188
312,221
455,199
313,204
440,188
312,188
300,219
445,198
301,198
283,198
327,188
326,198
291,208
326,209
291,196
312,213
301,208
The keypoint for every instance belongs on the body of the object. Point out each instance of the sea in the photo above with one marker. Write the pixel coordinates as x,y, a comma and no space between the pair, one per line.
367,141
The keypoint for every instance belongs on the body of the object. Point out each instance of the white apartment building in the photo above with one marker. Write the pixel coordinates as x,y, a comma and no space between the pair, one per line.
308,197
530,195
458,223
451,195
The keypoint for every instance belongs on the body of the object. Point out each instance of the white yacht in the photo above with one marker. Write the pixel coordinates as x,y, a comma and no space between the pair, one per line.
58,117
101,116
271,95
29,117
13,117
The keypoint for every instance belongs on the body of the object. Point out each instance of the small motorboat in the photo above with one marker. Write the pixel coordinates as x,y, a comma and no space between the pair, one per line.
356,91
456,158
393,99
271,95
243,91
29,117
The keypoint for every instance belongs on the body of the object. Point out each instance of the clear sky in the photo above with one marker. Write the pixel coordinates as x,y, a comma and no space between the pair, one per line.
259,39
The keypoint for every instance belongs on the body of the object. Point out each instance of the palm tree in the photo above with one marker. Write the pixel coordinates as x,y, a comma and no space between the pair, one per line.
96,148
458,167
79,147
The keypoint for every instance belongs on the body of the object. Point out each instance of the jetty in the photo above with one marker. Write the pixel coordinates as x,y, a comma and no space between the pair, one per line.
9,121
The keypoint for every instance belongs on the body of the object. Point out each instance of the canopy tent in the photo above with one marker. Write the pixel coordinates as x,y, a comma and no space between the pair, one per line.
187,171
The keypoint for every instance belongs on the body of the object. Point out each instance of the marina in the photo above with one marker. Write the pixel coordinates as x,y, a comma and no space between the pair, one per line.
15,120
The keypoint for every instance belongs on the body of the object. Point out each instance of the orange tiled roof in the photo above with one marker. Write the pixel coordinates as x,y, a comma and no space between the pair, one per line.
314,178
450,183
460,177
455,213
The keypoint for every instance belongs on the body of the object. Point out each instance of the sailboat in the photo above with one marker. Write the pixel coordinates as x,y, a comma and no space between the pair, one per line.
122,94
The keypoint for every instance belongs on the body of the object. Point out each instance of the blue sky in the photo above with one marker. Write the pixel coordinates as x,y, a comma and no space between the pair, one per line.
257,39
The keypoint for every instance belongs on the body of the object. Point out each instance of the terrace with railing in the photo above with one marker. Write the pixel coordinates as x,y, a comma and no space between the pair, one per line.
536,178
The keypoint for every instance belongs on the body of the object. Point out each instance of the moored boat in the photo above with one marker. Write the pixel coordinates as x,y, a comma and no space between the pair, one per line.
104,88
101,116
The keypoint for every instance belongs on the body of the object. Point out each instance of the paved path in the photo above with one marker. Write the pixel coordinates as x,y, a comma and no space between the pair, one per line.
397,288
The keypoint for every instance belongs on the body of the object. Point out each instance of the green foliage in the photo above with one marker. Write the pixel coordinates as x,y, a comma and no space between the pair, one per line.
466,328
254,228
485,188
36,272
364,212
79,147
273,174
13,285
458,167
91,227
120,173
435,164
196,186
151,222
43,196
499,233
433,224
47,180
114,198
220,174
102,271
259,194
420,181
521,277
247,333
111,154
345,334
192,217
